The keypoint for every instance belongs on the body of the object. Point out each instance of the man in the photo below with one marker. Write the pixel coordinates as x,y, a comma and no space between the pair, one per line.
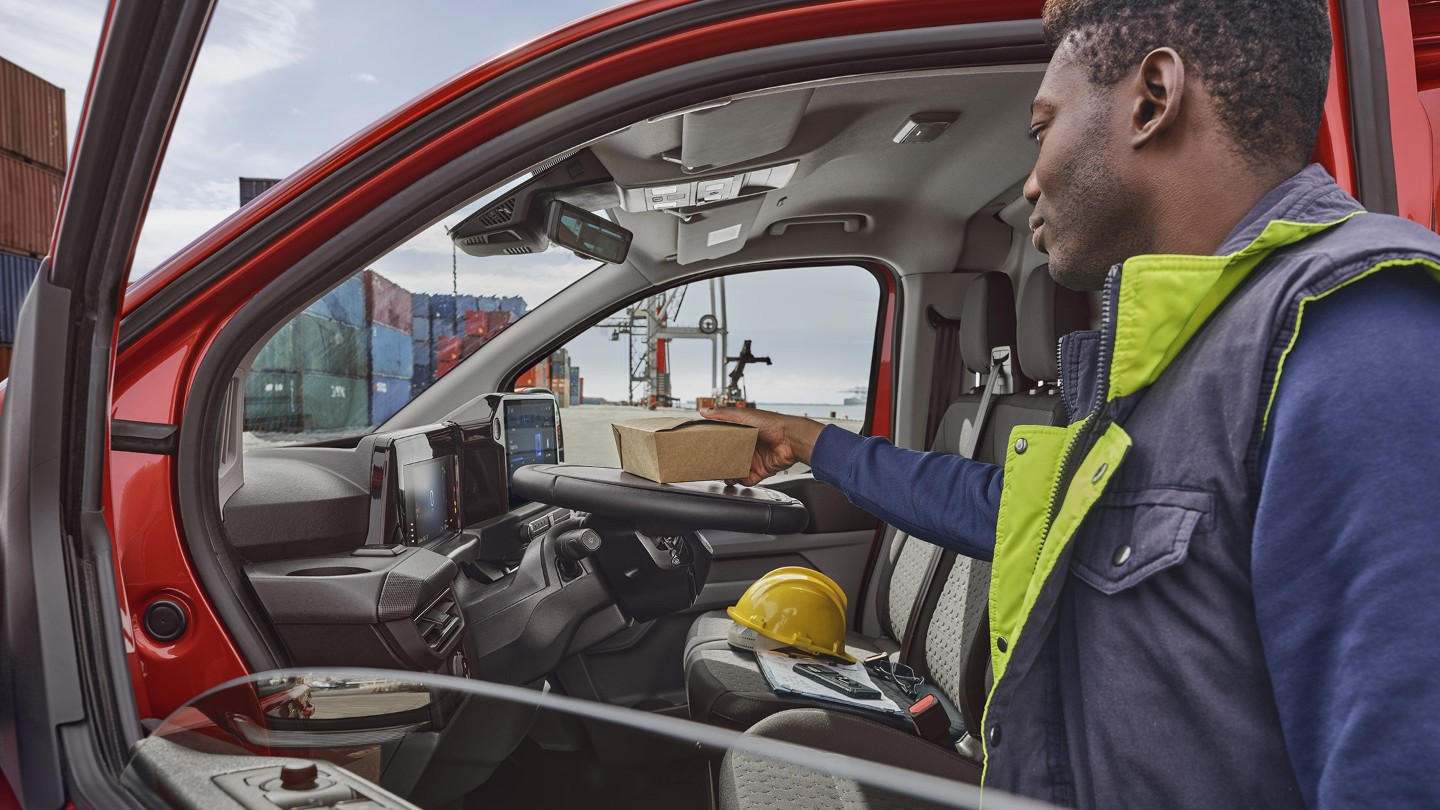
1217,587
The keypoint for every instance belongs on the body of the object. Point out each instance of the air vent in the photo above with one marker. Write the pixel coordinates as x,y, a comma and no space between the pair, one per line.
502,214
517,251
440,622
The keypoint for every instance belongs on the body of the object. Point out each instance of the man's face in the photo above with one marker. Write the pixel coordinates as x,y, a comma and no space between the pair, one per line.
1083,185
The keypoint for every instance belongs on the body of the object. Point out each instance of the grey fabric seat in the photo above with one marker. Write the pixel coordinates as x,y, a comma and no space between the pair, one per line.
1046,312
725,686
747,780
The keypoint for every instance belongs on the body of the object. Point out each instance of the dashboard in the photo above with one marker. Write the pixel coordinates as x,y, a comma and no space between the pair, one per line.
413,549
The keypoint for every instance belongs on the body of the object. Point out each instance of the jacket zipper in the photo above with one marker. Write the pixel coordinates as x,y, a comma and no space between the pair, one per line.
1093,418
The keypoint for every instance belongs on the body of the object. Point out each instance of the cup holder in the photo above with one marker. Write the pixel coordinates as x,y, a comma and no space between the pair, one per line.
329,571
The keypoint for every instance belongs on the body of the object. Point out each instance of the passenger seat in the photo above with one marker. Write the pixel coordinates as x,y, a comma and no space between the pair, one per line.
725,686
1046,312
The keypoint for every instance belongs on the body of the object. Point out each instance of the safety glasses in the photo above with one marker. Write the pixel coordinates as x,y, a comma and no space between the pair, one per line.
902,675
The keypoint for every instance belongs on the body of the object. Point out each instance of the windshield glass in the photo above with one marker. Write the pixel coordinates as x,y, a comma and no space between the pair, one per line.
400,740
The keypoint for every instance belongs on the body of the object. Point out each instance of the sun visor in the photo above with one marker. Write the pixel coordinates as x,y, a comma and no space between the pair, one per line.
719,231
769,122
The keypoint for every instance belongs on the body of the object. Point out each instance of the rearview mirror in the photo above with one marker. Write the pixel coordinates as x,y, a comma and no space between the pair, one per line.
592,237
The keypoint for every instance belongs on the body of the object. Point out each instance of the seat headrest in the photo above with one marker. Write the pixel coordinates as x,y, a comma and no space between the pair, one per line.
987,320
1047,311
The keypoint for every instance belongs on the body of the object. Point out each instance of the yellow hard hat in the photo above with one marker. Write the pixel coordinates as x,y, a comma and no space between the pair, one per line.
796,606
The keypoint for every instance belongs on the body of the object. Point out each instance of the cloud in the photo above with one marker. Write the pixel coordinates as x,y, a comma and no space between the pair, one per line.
364,78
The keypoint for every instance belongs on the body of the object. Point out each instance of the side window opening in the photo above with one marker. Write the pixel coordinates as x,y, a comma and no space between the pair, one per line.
679,350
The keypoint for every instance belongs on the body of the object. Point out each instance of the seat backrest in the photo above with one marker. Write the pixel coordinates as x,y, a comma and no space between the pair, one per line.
950,630
987,321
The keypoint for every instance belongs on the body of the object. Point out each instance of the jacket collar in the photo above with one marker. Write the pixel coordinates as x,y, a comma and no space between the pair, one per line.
1158,302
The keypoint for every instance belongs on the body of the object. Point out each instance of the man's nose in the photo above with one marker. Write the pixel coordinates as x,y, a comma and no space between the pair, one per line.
1031,189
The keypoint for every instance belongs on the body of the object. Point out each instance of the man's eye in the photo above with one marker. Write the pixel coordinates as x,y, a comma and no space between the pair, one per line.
1033,134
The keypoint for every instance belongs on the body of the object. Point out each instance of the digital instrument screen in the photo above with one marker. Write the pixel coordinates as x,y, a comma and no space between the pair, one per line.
430,503
583,232
530,433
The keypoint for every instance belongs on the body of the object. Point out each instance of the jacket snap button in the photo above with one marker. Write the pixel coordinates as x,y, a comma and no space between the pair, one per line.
1100,473
1001,644
1121,555
995,735
1020,445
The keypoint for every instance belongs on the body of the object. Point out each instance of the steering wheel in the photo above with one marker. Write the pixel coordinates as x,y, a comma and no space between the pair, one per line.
661,508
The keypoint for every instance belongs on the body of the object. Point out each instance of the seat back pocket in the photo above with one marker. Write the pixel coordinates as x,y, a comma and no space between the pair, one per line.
1131,536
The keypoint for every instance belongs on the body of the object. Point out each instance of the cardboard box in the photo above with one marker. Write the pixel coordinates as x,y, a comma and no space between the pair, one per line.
678,448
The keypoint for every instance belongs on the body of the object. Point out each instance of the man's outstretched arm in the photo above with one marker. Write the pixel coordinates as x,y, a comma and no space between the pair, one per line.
940,498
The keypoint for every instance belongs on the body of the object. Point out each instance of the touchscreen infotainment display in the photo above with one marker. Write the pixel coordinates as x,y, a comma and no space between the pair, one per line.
531,435
430,507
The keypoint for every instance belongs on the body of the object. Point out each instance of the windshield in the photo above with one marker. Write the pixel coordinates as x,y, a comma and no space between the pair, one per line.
400,740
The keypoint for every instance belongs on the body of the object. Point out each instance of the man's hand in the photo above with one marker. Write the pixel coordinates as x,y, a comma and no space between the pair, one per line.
784,440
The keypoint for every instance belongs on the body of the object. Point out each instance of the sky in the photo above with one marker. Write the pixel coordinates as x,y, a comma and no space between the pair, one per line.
279,82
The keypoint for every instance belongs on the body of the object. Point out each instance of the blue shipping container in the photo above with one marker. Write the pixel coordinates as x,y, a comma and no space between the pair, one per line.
422,353
574,385
442,306
421,378
467,303
420,328
345,303
17,273
420,305
441,327
387,396
389,352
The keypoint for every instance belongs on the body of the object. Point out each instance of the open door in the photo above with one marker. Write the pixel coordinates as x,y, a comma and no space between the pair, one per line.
67,709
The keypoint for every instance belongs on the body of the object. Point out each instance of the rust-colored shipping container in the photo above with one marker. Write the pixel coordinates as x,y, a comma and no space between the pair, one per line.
32,117
447,350
29,203
537,377
5,352
470,344
388,303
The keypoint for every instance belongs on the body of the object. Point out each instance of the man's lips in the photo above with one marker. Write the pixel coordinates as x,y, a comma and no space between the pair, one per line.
1037,235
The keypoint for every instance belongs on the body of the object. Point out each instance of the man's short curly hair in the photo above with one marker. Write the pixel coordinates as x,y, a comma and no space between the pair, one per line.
1265,62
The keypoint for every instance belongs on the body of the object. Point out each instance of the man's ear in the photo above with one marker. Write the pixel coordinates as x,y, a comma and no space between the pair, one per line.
1159,93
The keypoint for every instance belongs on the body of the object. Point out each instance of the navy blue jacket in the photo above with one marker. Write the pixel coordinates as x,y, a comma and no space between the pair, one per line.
1346,607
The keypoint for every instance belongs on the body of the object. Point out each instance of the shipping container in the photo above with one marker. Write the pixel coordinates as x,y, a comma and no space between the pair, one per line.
386,302
280,352
272,402
32,117
420,328
420,305
331,348
5,353
442,307
389,352
422,353
447,350
17,274
536,377
470,344
345,303
515,305
29,203
466,303
420,377
442,327
332,402
574,385
387,396
252,187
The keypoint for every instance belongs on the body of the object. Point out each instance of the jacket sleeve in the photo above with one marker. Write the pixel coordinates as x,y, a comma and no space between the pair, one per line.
1346,553
943,499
